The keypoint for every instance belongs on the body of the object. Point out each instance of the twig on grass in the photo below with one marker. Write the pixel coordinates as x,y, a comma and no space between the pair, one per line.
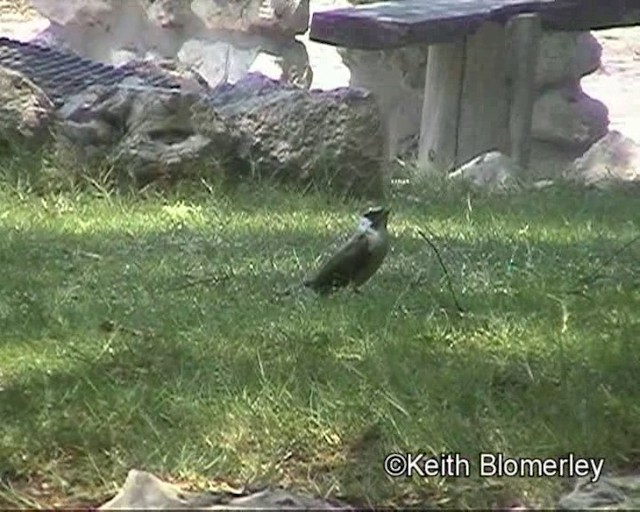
444,268
595,274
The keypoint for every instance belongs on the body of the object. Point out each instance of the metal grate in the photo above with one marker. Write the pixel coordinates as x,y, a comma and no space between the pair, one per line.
63,73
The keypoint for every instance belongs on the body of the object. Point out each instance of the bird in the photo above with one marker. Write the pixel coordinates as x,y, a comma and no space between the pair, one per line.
359,258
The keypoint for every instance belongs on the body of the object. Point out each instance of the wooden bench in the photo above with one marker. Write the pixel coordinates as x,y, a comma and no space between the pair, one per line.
479,88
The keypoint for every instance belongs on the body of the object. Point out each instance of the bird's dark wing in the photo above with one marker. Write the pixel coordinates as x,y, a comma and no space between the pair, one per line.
342,266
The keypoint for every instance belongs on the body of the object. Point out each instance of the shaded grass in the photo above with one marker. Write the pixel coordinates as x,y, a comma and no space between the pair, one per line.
107,361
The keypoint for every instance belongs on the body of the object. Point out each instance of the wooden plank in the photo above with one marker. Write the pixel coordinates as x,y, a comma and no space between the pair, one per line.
525,32
397,23
593,15
484,115
466,107
441,107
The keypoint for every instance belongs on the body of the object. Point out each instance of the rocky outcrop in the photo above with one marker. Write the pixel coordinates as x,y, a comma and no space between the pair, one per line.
220,40
332,138
256,128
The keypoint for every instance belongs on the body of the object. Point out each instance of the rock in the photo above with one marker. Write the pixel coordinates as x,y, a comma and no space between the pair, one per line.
566,56
218,39
492,171
98,28
88,12
173,15
221,61
143,490
255,128
611,493
285,18
588,58
280,18
292,60
26,113
182,74
322,137
218,61
613,160
147,133
569,117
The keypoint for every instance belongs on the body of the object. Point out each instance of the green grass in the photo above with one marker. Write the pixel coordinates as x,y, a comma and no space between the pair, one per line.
109,361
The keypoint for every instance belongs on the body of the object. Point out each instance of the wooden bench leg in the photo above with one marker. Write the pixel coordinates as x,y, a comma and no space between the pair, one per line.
441,107
466,100
525,37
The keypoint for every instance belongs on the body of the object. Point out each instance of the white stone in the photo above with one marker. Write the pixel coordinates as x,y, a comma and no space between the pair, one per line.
217,62
492,170
614,159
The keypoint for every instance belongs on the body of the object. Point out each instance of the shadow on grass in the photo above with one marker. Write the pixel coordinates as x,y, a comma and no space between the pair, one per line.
299,402
107,364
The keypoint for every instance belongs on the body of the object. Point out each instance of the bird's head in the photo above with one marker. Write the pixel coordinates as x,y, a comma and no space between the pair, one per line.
375,218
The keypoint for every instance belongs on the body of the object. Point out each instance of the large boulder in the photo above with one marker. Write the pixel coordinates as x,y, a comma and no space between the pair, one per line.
325,137
26,113
257,127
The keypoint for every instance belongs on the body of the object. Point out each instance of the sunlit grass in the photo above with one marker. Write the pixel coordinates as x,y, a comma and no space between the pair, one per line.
110,359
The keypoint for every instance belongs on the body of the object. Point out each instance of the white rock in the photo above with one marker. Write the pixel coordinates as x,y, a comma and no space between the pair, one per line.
217,62
492,170
614,159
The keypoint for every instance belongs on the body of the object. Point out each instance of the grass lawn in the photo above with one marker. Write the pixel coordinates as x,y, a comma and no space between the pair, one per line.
149,332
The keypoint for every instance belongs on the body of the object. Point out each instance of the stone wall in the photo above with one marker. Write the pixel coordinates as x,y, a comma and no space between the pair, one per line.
219,39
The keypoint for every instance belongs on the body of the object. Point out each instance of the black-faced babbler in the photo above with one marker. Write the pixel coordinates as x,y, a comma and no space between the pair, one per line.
359,258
